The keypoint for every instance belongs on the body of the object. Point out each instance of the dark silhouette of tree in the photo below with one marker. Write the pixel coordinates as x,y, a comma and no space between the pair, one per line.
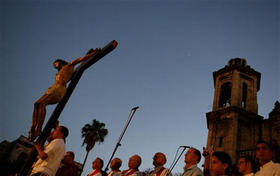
92,133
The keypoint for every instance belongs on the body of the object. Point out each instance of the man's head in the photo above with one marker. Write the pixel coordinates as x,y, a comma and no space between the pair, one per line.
264,152
59,63
50,137
134,162
60,132
97,163
159,159
116,164
192,157
69,157
245,165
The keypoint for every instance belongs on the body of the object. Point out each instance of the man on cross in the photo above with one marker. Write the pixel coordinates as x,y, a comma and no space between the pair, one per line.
55,93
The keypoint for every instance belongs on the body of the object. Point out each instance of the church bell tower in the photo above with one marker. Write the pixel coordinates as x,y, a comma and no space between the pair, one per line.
234,124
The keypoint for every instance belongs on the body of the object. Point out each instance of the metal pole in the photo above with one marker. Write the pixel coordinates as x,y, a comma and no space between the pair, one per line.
175,162
132,112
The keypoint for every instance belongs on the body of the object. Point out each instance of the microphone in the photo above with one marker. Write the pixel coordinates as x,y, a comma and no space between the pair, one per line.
176,160
135,108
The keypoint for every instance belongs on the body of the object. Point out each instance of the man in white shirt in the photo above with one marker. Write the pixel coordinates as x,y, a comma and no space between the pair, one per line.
50,158
159,160
246,166
264,154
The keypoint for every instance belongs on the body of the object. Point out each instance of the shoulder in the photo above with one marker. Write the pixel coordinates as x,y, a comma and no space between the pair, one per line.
166,171
58,142
116,173
73,62
277,167
68,66
274,166
125,171
271,167
251,174
196,168
197,171
98,174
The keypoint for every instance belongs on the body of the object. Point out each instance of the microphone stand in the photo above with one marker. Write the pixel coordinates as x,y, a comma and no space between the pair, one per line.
132,112
175,161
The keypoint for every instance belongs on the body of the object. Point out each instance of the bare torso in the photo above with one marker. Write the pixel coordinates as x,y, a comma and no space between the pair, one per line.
57,90
64,74
54,94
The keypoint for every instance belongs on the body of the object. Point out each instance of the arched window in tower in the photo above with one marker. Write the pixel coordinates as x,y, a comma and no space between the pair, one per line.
225,96
244,95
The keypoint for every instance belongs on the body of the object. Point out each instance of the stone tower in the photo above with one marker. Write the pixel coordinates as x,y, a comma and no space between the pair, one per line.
271,130
234,124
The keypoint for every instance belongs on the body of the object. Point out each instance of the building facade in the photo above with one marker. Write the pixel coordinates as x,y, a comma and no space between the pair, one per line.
233,124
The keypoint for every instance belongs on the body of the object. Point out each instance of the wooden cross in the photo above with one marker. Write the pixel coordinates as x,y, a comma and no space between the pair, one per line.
60,106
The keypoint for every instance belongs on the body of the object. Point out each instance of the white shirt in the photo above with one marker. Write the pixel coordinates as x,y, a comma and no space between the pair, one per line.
193,170
164,171
251,174
269,169
130,172
55,151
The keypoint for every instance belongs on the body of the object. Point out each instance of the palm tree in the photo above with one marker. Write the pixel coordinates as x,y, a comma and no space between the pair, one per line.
92,133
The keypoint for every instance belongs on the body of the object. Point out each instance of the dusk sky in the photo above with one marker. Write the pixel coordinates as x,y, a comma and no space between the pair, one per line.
167,52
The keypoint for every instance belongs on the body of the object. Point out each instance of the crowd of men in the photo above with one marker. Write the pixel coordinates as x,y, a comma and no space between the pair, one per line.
52,162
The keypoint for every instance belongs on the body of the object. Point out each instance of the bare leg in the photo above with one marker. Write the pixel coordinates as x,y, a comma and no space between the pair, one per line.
40,119
39,113
34,122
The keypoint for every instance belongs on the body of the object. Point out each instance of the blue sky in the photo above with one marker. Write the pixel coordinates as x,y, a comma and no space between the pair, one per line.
164,62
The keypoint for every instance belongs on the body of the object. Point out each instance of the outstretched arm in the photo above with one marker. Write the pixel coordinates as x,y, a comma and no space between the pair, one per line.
41,153
84,58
